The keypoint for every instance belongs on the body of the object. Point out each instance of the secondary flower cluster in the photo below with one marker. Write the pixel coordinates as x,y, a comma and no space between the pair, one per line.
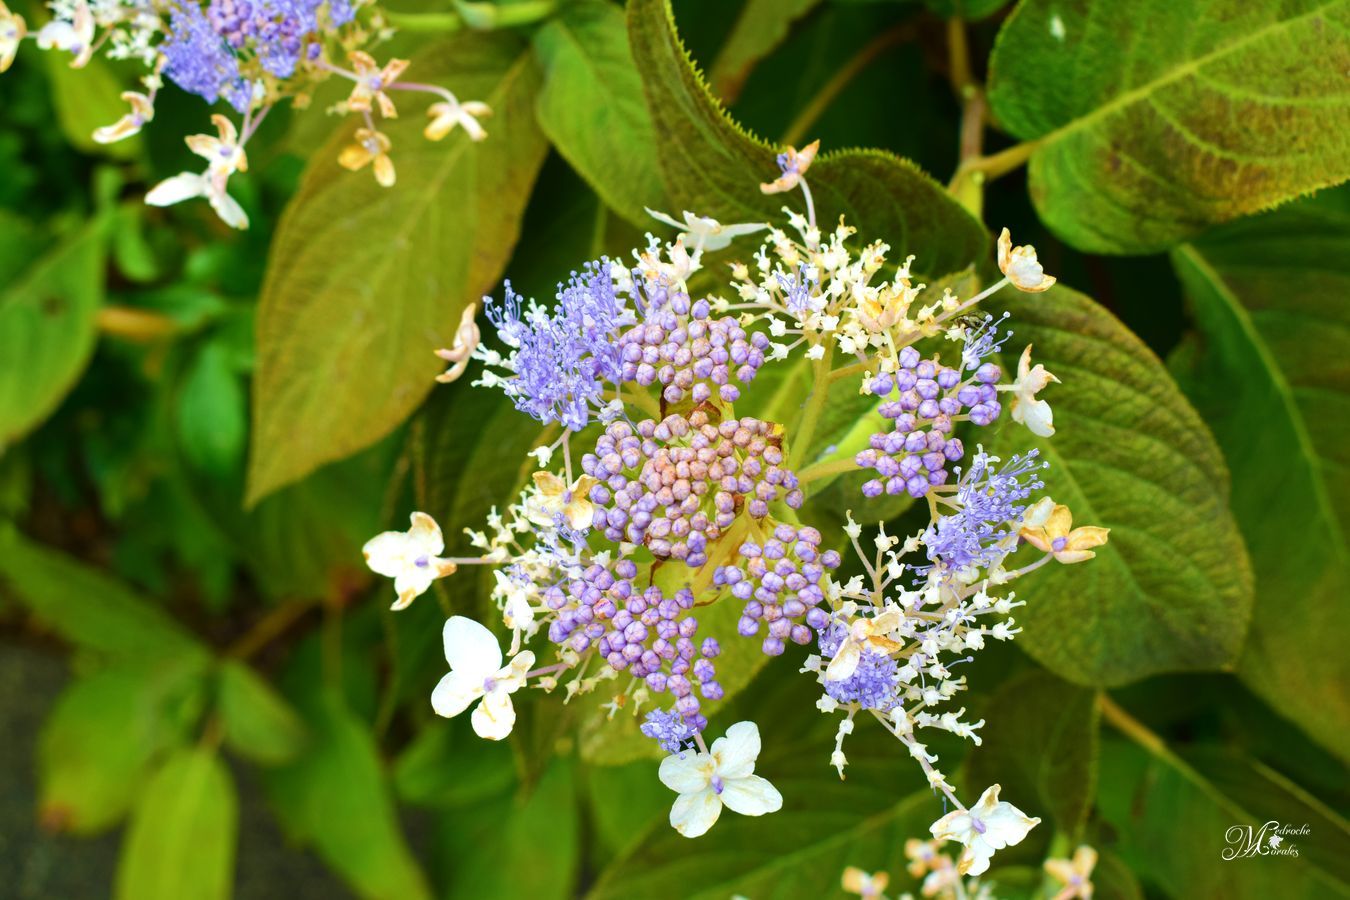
688,534
1070,879
250,55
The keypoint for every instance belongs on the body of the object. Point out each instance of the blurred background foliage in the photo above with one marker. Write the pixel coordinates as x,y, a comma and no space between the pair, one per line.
205,691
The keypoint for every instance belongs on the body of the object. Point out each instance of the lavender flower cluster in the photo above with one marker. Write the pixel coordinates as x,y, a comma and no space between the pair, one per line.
780,584
677,485
642,632
872,684
913,455
989,503
689,353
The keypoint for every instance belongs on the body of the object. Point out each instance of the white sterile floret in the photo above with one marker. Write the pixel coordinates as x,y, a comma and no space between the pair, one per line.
722,776
477,673
987,826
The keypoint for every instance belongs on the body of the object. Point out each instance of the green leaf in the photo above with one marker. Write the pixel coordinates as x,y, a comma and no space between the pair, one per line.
1268,373
713,167
1174,822
47,329
335,798
213,412
87,607
1154,119
1040,744
1172,590
364,283
87,99
592,108
486,847
259,724
760,28
97,745
970,10
182,839
448,765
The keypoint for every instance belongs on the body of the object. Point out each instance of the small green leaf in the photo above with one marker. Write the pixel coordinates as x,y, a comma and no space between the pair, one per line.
182,838
713,167
760,28
87,99
213,412
592,108
1268,373
259,724
365,282
97,746
335,797
1174,825
1172,589
87,607
1154,119
1040,744
47,329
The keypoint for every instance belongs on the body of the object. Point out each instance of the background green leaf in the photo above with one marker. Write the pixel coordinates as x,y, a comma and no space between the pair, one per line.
1268,372
1154,119
258,723
182,839
1172,589
761,26
364,282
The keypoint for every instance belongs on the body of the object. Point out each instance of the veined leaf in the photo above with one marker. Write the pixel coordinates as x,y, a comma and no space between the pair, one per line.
1269,374
713,167
1155,119
760,28
1040,744
47,329
592,109
182,839
365,282
1172,590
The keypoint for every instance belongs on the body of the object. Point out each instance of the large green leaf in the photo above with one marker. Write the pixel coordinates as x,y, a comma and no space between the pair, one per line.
760,28
87,607
335,797
101,738
1174,821
182,838
365,282
47,329
713,167
592,109
1156,118
1268,371
1040,744
1172,590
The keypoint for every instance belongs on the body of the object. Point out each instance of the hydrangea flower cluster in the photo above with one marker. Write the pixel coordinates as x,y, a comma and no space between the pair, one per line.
944,879
249,54
685,502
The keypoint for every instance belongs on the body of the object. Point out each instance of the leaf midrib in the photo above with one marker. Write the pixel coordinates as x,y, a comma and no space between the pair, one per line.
1281,384
1189,67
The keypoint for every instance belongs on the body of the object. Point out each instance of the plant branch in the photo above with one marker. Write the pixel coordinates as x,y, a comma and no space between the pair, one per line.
826,469
831,89
820,392
424,23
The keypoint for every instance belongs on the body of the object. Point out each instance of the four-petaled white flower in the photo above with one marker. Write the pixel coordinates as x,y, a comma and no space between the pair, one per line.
1074,874
1026,409
75,35
723,776
466,339
447,114
987,826
142,111
411,558
476,671
706,233
12,31
794,164
553,497
1021,267
864,633
225,156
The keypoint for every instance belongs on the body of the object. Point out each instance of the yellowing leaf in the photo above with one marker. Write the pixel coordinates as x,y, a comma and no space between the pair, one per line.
364,282
1155,118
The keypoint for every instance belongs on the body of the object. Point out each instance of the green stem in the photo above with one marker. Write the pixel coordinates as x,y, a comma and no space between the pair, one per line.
424,23
832,88
820,392
482,16
826,469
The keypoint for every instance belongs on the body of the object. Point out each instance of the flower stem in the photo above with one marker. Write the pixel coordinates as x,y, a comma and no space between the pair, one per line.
424,23
482,16
826,469
820,391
